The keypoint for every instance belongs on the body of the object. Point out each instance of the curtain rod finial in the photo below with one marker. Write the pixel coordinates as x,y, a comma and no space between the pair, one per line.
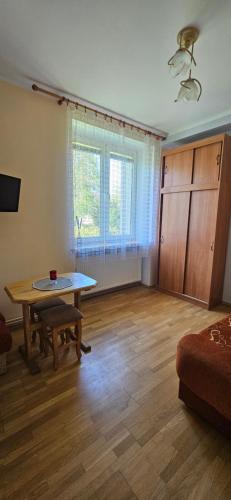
60,101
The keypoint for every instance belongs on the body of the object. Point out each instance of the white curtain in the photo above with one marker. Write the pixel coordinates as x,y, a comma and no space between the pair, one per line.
113,187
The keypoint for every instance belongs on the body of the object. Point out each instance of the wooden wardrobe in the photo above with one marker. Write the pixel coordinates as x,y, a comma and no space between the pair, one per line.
194,219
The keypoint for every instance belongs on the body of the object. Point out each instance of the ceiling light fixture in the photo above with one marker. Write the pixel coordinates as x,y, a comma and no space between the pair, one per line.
190,90
182,62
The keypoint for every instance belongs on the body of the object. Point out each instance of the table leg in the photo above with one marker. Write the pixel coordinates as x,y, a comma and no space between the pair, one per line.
85,347
25,350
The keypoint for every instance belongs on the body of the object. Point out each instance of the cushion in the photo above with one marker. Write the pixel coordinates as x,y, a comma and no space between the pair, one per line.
61,315
46,304
204,365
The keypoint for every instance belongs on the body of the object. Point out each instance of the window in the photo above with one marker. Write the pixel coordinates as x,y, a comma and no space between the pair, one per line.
121,193
87,191
104,184
113,188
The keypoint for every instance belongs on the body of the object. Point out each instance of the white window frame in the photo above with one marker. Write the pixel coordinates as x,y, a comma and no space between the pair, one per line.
106,238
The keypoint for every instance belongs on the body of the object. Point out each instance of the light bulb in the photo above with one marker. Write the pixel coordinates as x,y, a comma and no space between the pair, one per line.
180,63
190,90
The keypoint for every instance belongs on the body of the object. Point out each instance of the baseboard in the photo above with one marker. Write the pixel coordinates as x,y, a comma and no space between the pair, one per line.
17,322
111,290
14,322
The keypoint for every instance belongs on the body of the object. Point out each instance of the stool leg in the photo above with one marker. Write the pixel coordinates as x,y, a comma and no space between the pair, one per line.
44,340
34,333
43,344
55,348
79,339
67,335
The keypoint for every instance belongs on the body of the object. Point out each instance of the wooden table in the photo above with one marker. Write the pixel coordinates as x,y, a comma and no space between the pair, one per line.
23,293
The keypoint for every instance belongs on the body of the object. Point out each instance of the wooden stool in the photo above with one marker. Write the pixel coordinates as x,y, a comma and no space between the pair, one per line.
57,322
36,309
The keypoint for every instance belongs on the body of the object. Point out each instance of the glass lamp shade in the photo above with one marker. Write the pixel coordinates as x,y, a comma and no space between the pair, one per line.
190,90
180,63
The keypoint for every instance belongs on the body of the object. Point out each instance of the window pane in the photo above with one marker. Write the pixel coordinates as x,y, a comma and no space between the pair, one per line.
86,191
120,191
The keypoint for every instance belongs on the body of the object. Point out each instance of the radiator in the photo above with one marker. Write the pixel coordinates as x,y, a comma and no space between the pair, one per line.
110,274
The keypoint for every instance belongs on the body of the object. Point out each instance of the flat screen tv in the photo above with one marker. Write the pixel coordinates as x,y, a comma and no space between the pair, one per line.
9,193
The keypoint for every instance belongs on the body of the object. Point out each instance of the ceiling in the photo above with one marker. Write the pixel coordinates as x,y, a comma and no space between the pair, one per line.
114,53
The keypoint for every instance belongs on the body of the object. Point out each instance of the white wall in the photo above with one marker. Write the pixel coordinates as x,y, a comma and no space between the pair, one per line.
227,282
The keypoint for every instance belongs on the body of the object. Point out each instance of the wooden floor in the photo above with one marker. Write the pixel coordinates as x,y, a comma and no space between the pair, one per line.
112,428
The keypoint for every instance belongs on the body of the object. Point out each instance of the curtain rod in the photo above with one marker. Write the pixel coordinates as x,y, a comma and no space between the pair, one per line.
62,99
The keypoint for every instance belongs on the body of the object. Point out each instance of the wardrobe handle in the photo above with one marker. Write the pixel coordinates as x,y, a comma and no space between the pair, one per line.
219,165
162,239
212,246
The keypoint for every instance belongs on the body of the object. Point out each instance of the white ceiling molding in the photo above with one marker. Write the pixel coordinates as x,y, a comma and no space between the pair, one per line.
218,124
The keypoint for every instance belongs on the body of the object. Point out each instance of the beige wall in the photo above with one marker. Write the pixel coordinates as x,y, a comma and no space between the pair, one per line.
32,146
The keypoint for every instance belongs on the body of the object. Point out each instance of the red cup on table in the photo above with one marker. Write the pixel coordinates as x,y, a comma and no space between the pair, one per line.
53,275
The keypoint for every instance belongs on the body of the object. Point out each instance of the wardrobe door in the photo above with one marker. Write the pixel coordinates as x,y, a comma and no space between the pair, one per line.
201,235
178,169
174,226
207,161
